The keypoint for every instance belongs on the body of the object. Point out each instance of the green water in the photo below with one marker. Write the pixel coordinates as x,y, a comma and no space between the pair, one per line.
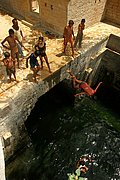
62,129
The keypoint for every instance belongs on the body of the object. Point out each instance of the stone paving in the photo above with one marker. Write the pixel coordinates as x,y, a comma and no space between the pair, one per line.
92,36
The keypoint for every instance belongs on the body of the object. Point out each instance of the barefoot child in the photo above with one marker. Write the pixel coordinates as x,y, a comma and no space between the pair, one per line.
19,34
9,64
41,47
34,65
11,40
79,36
69,36
77,84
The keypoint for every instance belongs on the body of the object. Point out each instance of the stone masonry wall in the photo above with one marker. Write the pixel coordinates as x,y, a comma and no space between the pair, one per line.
112,11
54,13
15,109
91,10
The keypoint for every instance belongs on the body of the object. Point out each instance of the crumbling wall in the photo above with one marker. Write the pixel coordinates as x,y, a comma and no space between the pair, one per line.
91,10
112,11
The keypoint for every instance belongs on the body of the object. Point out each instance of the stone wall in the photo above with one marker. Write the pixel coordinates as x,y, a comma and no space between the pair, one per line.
21,7
91,10
55,14
15,108
112,11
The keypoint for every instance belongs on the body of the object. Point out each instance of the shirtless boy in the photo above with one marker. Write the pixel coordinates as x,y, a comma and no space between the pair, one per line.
10,68
77,84
11,39
69,36
79,36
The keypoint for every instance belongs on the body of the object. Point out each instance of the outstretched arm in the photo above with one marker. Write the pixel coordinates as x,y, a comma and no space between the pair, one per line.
68,71
97,86
73,77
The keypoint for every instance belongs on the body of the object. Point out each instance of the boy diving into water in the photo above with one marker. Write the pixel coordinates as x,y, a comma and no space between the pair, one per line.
77,84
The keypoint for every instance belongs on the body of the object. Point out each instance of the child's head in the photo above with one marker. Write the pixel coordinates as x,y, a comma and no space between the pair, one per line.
41,38
11,32
14,21
6,54
71,22
83,21
37,53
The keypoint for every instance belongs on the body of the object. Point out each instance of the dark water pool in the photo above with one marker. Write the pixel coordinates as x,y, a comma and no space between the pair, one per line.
62,129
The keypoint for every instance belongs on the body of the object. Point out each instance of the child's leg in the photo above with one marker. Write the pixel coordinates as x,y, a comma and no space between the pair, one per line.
8,73
13,57
46,59
72,46
37,69
41,61
14,75
80,40
34,74
76,40
65,45
10,76
17,56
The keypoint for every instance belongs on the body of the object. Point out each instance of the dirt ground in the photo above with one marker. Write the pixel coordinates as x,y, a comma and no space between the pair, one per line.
54,48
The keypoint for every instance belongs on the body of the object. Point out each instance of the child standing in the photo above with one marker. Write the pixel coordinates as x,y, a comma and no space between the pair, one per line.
9,64
12,42
69,36
41,47
79,36
19,34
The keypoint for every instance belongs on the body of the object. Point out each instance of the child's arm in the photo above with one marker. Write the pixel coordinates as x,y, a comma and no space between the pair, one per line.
36,47
5,45
44,46
27,62
21,44
72,75
73,34
5,62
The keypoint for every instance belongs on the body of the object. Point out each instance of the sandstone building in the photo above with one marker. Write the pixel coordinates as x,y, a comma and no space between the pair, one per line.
55,14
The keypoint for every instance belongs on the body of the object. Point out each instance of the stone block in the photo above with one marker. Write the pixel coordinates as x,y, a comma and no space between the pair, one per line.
7,138
114,43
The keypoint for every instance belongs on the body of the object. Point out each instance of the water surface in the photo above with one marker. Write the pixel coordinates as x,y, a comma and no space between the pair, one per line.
62,129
